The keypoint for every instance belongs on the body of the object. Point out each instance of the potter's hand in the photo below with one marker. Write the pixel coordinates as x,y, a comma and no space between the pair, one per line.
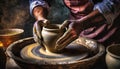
37,28
76,26
69,36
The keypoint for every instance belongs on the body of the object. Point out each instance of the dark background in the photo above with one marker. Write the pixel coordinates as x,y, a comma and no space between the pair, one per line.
15,14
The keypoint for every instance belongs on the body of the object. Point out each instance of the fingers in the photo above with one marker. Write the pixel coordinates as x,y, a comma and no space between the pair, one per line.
65,43
66,39
44,22
64,24
37,32
34,34
38,27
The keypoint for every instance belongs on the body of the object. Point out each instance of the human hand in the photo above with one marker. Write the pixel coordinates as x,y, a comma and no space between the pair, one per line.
77,26
68,36
37,28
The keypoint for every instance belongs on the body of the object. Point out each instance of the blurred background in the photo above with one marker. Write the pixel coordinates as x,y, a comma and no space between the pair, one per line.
15,14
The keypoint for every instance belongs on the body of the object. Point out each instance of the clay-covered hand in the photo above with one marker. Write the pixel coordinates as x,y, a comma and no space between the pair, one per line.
37,28
77,26
69,36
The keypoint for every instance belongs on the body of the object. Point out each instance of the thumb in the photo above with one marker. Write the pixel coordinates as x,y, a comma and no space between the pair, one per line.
46,22
65,24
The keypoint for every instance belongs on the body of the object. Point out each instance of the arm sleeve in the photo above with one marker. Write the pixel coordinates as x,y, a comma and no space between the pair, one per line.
34,3
109,8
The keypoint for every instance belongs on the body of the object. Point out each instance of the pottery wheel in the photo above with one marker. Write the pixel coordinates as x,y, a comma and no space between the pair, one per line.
35,53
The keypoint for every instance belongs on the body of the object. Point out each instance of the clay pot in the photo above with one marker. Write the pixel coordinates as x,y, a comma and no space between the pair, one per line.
7,36
113,56
50,35
15,48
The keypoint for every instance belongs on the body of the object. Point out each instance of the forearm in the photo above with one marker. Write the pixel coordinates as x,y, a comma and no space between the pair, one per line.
109,8
95,18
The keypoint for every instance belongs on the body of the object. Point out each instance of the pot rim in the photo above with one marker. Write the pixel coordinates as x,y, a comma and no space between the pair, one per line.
19,31
52,29
111,54
11,55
